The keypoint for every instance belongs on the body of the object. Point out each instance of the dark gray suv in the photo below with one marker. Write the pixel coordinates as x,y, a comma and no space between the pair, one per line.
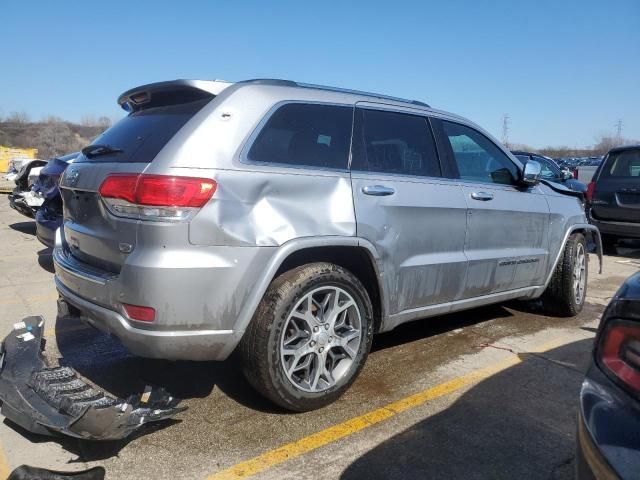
614,195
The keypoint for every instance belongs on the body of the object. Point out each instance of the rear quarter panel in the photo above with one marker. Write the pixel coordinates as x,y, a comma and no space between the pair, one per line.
268,208
255,204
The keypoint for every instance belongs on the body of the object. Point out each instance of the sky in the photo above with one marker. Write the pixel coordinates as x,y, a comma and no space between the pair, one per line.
564,71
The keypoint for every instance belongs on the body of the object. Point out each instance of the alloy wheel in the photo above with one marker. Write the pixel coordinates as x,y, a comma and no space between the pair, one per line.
321,339
579,274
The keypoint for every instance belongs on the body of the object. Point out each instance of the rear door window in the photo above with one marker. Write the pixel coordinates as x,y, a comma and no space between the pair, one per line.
625,164
392,142
477,158
143,133
300,134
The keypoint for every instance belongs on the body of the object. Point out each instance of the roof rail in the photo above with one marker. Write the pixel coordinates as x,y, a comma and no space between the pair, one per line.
360,92
271,81
291,83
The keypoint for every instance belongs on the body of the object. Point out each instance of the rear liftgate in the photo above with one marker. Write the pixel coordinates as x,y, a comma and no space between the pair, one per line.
50,401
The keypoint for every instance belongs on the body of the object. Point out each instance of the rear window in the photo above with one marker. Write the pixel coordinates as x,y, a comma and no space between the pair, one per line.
142,134
312,135
622,164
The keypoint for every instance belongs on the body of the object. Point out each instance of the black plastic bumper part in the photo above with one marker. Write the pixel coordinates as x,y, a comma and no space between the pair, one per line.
52,401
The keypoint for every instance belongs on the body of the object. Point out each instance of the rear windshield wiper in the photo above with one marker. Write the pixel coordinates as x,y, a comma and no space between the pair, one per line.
97,150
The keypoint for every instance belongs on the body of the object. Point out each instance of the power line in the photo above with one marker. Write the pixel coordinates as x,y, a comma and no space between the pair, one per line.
505,129
619,128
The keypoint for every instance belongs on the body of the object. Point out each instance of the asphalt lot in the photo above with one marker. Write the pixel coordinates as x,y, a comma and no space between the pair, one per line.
487,393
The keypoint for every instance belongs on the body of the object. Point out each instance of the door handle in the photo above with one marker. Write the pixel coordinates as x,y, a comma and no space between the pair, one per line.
378,190
482,196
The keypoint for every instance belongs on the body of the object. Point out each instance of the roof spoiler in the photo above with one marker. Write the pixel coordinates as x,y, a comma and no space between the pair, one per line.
174,90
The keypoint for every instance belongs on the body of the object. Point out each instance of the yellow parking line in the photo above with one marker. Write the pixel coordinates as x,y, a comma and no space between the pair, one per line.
4,464
329,435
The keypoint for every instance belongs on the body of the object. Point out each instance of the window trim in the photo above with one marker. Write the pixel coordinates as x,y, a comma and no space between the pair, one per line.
454,165
253,136
404,111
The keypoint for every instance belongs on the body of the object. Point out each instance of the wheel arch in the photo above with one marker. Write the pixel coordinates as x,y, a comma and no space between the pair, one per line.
592,235
354,254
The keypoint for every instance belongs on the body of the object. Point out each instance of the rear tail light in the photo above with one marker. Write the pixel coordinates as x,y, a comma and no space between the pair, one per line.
575,173
591,189
141,314
619,352
156,197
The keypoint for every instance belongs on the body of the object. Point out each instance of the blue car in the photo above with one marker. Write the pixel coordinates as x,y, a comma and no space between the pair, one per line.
49,215
609,411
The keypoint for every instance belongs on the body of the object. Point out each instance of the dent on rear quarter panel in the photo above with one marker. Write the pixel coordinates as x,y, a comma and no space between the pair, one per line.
254,204
269,208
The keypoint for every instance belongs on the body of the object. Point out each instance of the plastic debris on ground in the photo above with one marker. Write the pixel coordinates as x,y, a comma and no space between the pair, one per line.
51,401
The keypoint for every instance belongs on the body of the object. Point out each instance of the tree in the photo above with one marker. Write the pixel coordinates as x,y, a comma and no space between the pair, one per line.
18,117
604,143
104,122
55,139
88,120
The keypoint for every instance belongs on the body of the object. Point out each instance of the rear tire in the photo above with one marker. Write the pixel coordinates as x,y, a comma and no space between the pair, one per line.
309,337
566,293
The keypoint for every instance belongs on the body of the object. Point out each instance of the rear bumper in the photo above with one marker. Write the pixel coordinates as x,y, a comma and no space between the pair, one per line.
590,464
619,229
48,220
17,202
46,229
203,297
167,344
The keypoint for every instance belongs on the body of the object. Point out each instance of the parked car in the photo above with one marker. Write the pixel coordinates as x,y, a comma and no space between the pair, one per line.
23,198
49,215
614,195
295,221
16,164
551,171
609,410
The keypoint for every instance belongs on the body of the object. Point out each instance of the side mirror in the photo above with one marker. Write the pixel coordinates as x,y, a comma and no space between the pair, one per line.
531,173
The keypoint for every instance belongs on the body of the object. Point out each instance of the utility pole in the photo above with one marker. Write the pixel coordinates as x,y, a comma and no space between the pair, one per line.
505,129
619,129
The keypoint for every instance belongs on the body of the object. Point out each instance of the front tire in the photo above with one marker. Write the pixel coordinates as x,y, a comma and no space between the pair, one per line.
566,293
309,337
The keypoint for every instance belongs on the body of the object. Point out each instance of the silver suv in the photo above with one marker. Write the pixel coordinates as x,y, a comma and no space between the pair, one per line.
294,221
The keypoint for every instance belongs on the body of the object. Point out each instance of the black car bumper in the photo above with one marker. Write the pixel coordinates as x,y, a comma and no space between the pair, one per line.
16,201
590,464
608,443
46,227
618,229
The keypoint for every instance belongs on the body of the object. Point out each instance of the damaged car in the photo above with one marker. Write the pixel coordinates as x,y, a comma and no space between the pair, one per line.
293,222
608,446
49,215
24,198
37,187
